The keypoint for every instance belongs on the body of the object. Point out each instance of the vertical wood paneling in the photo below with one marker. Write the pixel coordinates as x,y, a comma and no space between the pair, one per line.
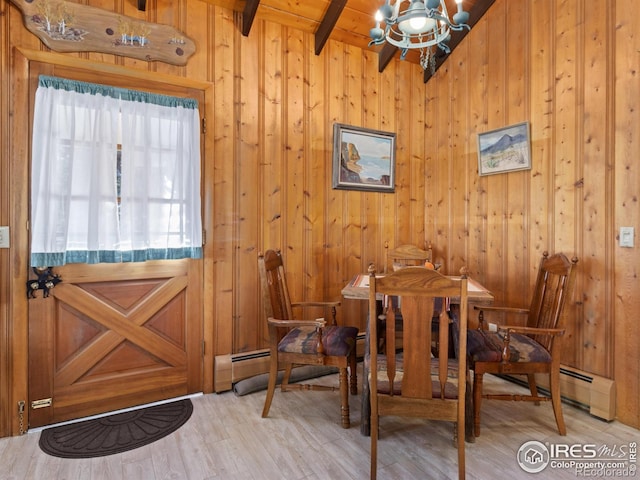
598,191
167,12
517,186
250,126
336,199
294,166
271,144
5,200
550,85
374,234
198,24
566,128
199,66
373,248
496,185
542,106
353,214
438,159
416,169
476,84
313,286
568,36
224,131
459,165
387,117
627,212
319,153
403,102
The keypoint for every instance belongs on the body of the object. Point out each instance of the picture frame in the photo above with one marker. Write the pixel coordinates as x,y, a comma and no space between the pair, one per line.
503,150
363,159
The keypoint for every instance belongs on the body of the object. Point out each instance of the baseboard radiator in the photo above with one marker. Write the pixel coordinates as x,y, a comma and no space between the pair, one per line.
231,368
582,389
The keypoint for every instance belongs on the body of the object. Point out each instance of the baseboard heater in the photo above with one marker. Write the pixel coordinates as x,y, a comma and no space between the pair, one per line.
231,368
581,389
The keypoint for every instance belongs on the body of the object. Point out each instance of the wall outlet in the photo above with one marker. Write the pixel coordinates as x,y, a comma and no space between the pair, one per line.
4,237
626,236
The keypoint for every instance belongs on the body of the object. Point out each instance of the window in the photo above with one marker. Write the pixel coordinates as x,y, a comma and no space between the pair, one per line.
115,175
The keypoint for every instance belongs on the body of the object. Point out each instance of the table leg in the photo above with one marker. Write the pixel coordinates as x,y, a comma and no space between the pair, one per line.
365,412
365,423
469,436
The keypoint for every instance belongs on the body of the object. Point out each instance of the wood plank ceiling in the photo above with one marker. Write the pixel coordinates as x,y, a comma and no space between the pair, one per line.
348,21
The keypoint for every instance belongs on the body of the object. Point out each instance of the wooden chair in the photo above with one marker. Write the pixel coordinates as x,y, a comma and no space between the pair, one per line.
303,342
406,255
530,349
410,382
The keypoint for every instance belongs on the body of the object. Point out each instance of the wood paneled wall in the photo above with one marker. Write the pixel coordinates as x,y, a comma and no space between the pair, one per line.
569,68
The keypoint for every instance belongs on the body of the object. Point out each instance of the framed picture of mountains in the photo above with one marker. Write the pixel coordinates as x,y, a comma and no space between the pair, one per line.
506,149
363,159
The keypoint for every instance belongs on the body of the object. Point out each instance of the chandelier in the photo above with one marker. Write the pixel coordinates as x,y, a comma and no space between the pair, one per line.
421,25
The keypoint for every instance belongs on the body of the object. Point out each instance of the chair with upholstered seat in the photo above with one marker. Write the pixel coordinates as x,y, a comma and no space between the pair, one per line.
303,342
409,381
530,349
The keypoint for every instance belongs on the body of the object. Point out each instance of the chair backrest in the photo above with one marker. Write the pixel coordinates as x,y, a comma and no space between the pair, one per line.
553,289
275,293
414,373
407,255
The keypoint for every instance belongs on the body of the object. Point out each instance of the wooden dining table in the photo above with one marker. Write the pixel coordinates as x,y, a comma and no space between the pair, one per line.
358,289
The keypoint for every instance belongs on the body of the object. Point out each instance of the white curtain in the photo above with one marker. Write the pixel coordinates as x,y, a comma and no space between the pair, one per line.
86,206
160,214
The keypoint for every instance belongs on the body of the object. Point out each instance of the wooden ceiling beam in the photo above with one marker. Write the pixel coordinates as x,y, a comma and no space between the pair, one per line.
248,15
328,22
475,14
386,54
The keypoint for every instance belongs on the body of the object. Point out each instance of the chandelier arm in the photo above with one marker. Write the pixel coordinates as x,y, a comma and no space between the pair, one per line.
454,26
444,47
462,26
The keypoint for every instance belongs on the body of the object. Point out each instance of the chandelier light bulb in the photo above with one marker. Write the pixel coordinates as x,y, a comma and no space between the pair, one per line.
414,20
418,23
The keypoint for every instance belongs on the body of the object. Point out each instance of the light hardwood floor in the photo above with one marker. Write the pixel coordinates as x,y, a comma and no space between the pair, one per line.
302,439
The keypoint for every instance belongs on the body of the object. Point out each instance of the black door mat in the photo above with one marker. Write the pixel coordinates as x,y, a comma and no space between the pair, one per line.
115,433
